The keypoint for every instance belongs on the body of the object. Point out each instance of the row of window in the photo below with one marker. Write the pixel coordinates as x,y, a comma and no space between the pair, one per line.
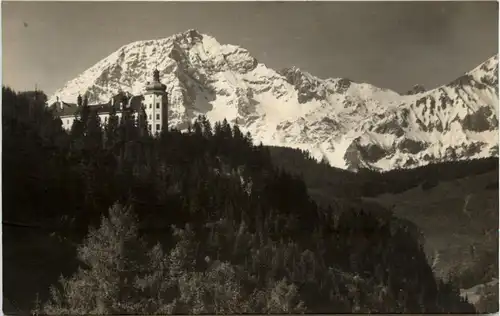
157,105
106,118
157,127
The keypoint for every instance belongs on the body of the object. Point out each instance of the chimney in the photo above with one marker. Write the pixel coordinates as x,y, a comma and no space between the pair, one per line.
60,103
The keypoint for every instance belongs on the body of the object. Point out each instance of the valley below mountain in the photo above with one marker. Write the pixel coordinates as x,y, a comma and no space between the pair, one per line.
452,208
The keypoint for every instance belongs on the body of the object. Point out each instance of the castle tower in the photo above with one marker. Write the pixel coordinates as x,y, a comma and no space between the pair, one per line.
156,103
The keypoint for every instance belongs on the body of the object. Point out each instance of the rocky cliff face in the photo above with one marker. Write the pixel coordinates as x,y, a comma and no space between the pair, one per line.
416,90
351,124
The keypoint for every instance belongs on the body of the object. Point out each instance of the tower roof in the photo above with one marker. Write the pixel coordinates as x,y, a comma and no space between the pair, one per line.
156,85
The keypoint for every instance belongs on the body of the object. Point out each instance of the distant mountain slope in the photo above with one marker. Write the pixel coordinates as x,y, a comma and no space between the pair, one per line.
331,182
454,204
352,125
459,218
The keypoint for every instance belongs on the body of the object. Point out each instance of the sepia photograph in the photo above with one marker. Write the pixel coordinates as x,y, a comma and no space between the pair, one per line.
249,157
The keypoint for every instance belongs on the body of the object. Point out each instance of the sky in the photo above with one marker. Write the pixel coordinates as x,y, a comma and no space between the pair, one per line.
392,45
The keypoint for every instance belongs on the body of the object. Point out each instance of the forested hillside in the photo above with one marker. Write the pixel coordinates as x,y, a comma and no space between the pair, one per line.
234,233
325,180
454,206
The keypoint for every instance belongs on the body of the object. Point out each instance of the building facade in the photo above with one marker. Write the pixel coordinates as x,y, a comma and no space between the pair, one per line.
154,101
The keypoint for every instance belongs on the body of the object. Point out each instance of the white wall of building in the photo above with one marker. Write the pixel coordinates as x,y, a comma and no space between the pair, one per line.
67,121
154,104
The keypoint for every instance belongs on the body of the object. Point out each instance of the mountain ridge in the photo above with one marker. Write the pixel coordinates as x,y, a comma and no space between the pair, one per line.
352,125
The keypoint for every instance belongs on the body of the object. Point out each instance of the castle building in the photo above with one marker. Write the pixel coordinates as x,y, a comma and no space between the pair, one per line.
154,100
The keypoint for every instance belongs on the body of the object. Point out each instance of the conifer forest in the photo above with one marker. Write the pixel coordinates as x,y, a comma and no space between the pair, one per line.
204,221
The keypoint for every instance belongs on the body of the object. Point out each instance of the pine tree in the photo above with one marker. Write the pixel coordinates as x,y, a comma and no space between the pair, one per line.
111,129
226,130
128,124
197,127
94,134
142,122
114,256
207,127
85,112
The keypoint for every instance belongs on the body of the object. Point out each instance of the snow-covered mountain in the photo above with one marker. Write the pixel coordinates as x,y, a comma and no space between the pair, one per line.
351,124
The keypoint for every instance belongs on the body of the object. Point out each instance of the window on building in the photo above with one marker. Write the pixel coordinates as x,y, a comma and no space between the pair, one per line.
158,105
149,116
150,105
157,127
67,122
149,126
157,116
105,119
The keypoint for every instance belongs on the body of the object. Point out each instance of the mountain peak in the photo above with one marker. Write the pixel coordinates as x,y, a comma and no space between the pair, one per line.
352,124
191,36
192,33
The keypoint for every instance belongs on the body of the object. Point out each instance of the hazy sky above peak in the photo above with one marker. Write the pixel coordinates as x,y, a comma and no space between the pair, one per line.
393,45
